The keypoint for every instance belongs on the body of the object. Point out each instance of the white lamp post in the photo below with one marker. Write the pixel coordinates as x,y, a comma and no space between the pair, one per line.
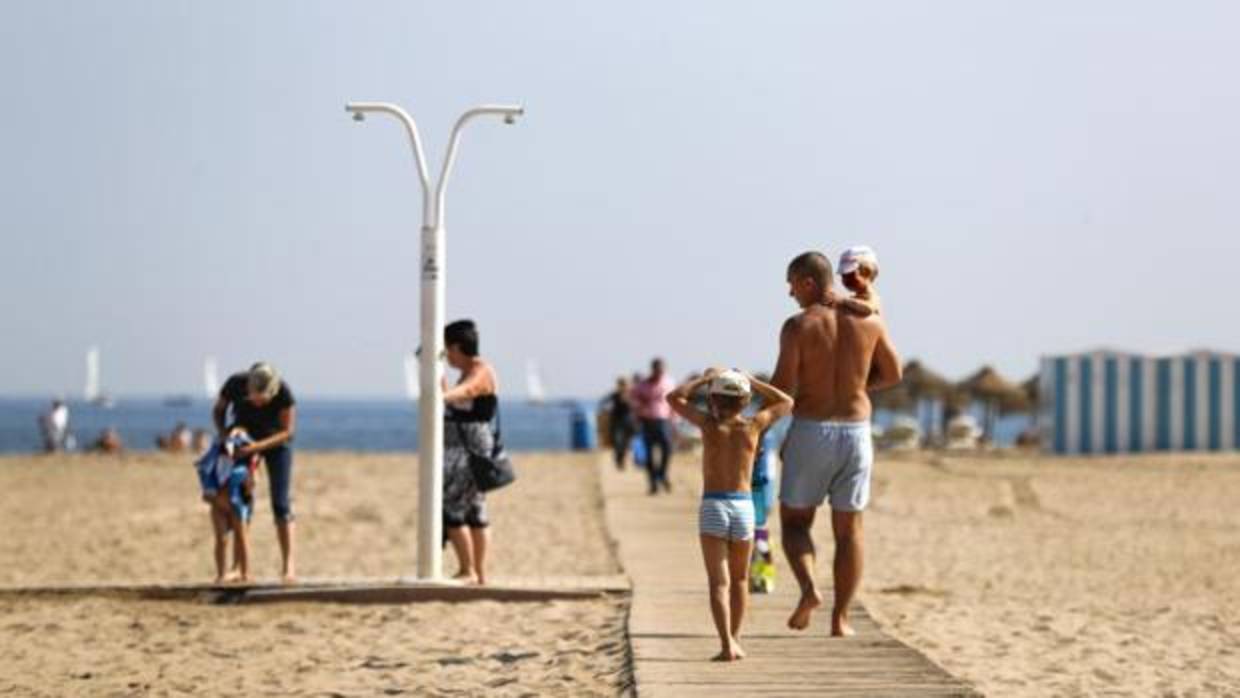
430,408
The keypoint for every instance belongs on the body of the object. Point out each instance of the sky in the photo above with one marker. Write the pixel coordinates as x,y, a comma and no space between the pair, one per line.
179,179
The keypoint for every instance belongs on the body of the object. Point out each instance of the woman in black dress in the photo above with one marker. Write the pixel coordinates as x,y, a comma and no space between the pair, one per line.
470,410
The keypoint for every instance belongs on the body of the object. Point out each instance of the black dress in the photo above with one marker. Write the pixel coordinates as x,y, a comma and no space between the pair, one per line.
466,429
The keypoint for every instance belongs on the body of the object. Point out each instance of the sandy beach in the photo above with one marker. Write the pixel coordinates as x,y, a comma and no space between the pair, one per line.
1025,575
136,518
1034,576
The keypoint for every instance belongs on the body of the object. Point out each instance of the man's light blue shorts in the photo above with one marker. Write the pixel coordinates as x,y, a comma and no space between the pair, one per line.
827,461
727,515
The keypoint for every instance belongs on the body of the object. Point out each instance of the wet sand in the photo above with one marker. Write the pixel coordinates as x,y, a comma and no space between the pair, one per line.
1033,576
137,518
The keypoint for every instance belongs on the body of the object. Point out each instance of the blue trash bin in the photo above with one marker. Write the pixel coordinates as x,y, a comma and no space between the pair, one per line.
584,435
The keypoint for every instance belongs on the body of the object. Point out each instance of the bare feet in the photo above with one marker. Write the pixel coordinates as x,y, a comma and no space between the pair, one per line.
799,620
289,579
465,577
737,650
729,654
840,626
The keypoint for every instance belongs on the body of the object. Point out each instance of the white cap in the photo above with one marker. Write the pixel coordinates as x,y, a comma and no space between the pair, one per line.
854,257
730,382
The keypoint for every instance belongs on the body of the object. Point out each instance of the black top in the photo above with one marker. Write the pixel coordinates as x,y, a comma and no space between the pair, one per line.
260,422
481,409
620,408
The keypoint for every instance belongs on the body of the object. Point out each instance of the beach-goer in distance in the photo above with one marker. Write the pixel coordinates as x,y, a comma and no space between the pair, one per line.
109,441
828,358
54,427
858,270
177,441
471,407
726,514
201,441
262,404
620,424
649,397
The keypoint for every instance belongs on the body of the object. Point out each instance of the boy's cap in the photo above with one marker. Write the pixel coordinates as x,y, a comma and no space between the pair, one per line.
854,257
729,382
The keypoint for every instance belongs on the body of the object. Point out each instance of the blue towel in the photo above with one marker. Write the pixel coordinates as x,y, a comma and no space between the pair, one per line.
217,470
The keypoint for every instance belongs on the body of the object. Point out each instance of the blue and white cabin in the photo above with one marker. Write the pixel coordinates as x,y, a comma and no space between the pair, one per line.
1114,402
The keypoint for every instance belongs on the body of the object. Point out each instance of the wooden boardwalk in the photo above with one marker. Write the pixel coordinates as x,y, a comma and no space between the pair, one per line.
673,638
358,591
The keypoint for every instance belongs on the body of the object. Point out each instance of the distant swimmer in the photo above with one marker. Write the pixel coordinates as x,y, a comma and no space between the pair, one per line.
177,441
109,441
829,357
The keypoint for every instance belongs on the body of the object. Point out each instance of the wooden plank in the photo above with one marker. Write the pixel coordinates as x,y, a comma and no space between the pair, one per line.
348,590
673,638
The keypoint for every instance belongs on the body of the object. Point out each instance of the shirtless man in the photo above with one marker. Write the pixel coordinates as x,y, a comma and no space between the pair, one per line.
828,358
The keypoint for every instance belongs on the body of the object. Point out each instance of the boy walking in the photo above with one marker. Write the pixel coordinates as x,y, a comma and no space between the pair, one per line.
726,514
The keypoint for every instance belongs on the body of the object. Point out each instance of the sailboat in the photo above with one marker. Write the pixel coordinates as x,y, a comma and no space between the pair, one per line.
91,392
210,378
534,390
412,386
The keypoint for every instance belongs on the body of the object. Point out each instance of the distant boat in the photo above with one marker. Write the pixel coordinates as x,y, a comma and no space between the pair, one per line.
91,392
412,387
210,378
178,401
534,390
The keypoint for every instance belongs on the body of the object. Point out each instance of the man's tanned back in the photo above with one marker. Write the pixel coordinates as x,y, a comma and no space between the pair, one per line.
829,358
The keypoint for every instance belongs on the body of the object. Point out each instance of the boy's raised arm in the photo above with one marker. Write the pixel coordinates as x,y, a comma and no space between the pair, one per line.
678,399
775,403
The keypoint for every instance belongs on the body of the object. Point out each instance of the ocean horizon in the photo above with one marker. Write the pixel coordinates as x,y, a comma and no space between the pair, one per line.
324,424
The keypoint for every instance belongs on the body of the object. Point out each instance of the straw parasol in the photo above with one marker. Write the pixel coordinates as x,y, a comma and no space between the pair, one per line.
995,391
896,398
924,383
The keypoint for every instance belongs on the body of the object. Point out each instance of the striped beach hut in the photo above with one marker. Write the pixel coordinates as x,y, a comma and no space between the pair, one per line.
1117,402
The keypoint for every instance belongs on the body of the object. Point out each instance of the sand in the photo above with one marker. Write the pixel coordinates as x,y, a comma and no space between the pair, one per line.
137,518
1027,576
133,519
1034,576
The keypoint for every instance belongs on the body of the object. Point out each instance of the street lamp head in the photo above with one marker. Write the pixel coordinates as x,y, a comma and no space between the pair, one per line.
510,113
359,116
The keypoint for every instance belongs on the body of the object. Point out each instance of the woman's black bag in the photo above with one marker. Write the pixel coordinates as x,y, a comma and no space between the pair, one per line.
493,471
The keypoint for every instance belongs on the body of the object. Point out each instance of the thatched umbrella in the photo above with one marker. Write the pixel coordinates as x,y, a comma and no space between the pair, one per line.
895,399
995,391
922,382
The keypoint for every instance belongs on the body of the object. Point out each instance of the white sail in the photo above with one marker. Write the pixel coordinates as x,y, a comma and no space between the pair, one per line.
211,377
91,391
411,377
533,383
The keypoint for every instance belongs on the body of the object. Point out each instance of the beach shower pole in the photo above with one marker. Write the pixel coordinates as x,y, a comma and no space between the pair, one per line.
430,406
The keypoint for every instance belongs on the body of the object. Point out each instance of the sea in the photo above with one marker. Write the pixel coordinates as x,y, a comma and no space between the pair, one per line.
322,424
375,425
